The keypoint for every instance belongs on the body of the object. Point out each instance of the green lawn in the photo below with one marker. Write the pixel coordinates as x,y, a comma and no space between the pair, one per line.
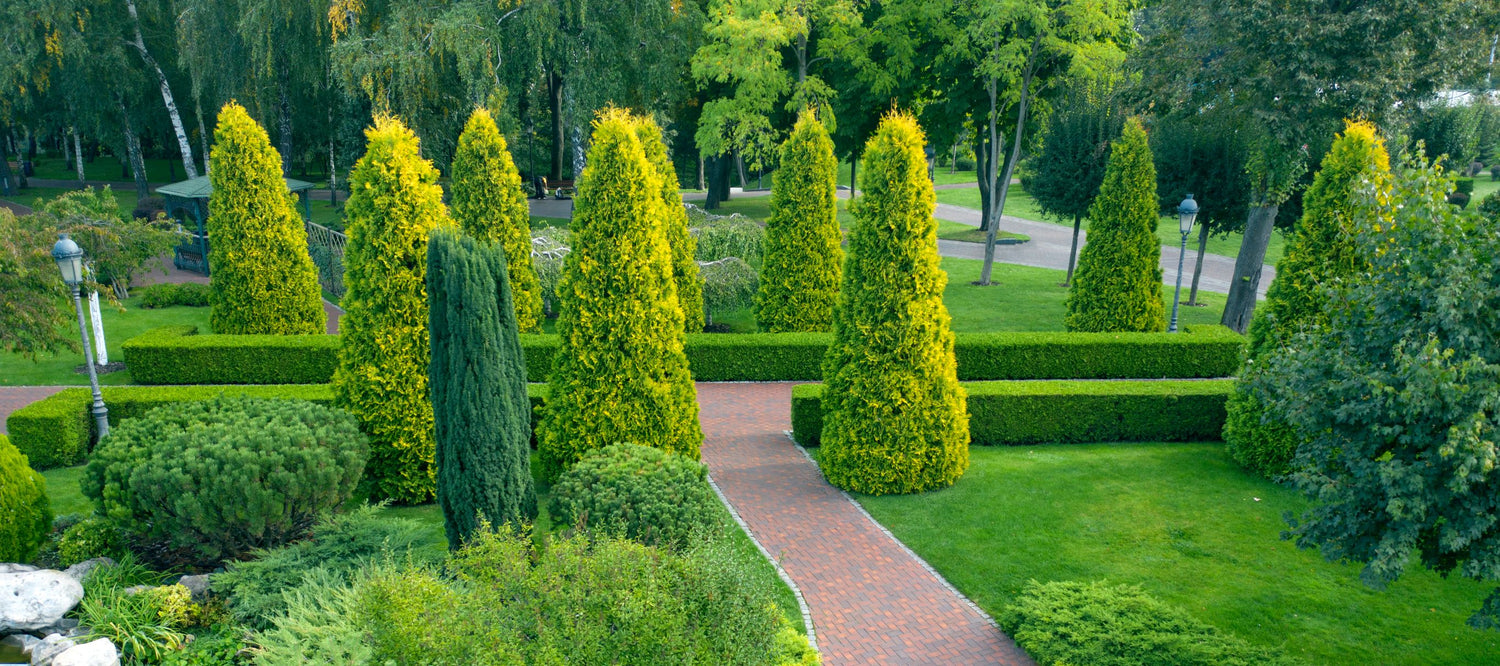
57,369
33,196
105,167
1185,523
949,230
759,208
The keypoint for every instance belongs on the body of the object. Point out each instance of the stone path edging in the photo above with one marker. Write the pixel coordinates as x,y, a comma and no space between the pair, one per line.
807,622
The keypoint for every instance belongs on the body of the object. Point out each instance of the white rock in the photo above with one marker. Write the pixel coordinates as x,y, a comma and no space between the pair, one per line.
98,653
82,569
31,600
49,647
6,567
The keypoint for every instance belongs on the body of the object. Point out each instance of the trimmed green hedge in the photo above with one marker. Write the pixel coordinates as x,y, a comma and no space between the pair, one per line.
57,431
1035,412
177,355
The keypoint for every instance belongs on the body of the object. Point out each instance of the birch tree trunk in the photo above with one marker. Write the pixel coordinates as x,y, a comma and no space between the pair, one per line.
188,167
133,154
202,134
77,154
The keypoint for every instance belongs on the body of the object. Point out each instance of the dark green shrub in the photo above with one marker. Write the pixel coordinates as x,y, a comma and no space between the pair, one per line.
225,476
219,646
1464,186
1265,449
1490,206
167,295
179,355
25,512
89,538
638,492
1459,199
1495,172
1096,624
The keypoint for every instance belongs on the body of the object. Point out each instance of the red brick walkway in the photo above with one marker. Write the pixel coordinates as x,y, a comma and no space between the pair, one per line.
872,602
13,398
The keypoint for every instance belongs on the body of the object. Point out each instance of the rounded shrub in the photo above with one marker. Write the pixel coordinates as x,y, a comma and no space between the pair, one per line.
219,478
25,513
87,539
637,492
801,284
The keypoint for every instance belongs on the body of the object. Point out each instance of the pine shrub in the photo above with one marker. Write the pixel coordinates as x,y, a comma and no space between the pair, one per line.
1118,285
637,492
221,477
619,374
801,273
674,221
489,205
394,203
25,512
1321,251
479,402
895,419
264,279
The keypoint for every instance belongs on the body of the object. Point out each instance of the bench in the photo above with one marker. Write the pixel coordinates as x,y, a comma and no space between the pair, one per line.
559,188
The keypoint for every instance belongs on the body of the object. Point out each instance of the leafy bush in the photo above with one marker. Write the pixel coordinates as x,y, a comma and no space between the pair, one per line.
179,355
25,512
638,492
1464,185
219,646
224,476
167,295
803,252
1096,624
728,284
89,538
731,236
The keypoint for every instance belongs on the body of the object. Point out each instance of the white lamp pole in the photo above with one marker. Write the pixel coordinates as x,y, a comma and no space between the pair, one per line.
69,258
1187,211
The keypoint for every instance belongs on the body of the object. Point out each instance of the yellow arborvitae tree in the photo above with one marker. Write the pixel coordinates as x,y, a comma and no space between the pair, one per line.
394,203
264,281
799,284
674,222
620,374
895,419
489,204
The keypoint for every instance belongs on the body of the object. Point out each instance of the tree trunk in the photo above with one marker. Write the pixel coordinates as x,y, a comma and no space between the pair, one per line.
188,166
8,185
853,174
1073,252
1240,307
998,207
739,165
202,135
554,101
711,202
1198,268
133,153
284,118
77,154
981,168
701,186
953,161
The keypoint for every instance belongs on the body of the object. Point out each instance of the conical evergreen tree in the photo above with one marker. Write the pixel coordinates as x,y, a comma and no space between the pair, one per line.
675,225
799,284
620,374
479,403
1321,250
394,204
489,205
264,281
894,416
1118,284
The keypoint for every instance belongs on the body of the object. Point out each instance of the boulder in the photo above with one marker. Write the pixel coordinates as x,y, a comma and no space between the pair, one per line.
43,651
197,586
97,653
67,626
7,567
21,642
30,600
82,569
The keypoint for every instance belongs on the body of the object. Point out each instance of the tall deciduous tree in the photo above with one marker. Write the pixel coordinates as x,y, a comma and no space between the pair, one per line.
895,419
489,205
480,409
394,204
32,319
1065,177
800,284
1203,155
168,99
264,279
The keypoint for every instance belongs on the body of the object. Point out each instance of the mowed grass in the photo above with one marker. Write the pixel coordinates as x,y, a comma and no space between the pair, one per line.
1186,524
119,326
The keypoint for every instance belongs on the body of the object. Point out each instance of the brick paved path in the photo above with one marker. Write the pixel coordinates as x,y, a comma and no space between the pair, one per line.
871,601
13,398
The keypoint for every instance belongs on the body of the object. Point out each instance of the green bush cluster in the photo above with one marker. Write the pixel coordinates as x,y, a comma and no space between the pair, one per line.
1036,412
179,355
803,252
222,477
674,225
167,295
637,492
25,512
895,420
89,538
264,280
1097,624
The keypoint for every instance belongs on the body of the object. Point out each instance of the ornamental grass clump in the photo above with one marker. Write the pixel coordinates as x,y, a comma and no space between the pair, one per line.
619,374
1118,285
264,281
674,223
801,273
394,204
637,492
488,204
895,419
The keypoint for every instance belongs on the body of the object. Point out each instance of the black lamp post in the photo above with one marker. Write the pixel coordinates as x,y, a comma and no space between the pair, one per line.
1187,212
69,258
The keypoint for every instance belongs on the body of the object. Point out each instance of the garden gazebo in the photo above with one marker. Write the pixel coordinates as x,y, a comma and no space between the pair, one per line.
187,201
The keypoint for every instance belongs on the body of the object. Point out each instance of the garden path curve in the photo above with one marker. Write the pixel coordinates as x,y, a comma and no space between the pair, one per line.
872,601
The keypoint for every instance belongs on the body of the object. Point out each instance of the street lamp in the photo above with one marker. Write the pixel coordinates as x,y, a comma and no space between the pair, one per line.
69,258
1187,211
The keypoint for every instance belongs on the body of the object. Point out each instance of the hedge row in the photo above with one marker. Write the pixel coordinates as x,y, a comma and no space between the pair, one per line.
57,431
1035,412
177,355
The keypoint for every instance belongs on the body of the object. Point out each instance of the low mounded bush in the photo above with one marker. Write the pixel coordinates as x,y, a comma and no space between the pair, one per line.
25,513
87,539
222,477
168,295
1097,624
637,492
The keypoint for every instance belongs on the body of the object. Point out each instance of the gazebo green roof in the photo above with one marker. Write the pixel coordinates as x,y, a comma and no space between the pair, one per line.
199,188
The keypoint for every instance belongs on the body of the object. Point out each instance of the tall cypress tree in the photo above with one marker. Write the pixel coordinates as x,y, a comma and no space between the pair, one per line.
479,403
1323,249
894,416
489,205
619,374
800,279
394,204
1118,284
264,281
675,226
